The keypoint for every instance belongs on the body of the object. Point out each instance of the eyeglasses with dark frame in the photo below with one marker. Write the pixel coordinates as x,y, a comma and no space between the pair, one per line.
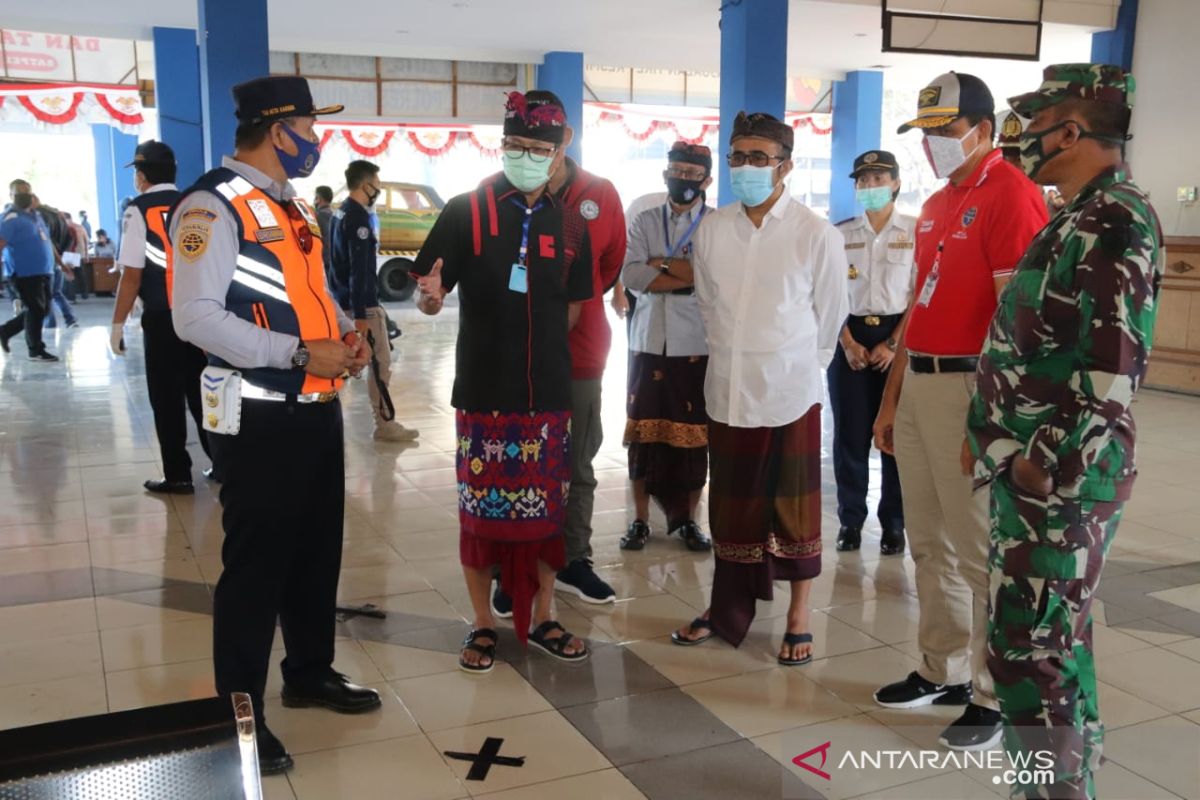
535,154
756,158
697,174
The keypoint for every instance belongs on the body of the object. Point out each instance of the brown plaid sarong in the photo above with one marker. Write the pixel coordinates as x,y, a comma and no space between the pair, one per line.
764,499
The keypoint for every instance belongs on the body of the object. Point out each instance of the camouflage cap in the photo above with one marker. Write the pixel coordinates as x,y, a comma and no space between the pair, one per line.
1100,83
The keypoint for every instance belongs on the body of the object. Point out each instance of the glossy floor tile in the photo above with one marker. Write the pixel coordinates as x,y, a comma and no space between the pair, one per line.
106,593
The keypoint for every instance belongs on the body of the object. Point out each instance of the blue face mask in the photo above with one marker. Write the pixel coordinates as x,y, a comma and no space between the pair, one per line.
307,155
874,199
526,175
752,185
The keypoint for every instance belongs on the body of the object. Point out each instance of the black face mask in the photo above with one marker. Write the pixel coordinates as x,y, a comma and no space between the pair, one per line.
371,198
683,191
23,201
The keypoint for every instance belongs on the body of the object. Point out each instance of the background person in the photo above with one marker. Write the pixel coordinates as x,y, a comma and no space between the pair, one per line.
879,250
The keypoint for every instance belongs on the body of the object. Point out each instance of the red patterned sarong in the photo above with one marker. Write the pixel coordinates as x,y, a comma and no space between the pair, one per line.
514,473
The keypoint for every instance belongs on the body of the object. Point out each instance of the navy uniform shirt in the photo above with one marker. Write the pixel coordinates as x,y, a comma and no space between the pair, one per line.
512,353
352,254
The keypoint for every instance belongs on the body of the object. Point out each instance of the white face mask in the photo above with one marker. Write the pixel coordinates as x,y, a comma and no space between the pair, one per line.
945,153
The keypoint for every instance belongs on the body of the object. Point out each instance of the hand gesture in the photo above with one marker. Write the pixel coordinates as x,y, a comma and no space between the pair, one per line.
620,303
430,288
880,357
116,339
328,358
857,356
885,423
360,348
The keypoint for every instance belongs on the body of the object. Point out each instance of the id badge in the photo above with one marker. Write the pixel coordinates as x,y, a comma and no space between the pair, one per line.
518,280
928,289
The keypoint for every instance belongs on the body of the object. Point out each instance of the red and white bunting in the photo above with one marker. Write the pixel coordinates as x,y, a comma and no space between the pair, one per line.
61,107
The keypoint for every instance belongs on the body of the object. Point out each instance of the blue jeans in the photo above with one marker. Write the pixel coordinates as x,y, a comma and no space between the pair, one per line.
60,300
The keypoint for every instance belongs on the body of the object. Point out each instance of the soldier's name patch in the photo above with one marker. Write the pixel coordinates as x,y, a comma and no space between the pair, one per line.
589,209
199,214
364,232
900,245
193,239
263,213
855,245
264,235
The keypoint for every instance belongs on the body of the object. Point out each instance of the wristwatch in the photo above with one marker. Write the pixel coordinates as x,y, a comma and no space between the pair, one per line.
300,357
665,266
892,343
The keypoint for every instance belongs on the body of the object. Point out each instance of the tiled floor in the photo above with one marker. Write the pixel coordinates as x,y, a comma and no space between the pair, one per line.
105,597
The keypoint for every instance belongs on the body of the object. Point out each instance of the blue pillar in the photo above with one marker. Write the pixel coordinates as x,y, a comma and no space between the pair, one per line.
753,67
857,123
562,73
177,95
233,49
1116,46
114,183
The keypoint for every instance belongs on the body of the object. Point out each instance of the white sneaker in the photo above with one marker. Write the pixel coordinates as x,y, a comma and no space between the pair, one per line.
394,432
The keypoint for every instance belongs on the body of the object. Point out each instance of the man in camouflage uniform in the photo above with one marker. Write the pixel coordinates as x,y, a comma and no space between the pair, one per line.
1050,426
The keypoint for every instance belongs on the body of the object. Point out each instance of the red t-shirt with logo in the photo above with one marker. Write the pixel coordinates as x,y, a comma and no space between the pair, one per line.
985,224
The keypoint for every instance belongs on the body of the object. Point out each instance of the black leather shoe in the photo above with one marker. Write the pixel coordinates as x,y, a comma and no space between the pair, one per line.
892,541
170,487
849,539
211,474
273,757
336,693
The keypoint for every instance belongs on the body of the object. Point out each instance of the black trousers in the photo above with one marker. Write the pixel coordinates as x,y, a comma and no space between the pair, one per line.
283,496
855,397
35,297
173,369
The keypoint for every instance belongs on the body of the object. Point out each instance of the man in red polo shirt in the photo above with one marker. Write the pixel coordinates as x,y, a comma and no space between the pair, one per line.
969,238
597,201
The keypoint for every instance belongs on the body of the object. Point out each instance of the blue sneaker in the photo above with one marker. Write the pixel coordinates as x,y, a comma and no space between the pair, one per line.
581,580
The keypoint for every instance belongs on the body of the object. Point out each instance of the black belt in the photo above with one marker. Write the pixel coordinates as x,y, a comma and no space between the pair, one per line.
935,364
684,290
875,320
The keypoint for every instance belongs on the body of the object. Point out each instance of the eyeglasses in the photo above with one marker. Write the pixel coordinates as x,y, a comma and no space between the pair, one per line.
756,158
686,174
537,155
303,232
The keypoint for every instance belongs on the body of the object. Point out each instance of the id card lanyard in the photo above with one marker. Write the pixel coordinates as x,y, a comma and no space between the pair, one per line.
687,237
518,279
931,280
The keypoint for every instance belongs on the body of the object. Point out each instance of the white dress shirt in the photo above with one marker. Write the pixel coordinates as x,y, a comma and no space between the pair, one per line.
133,232
773,301
880,270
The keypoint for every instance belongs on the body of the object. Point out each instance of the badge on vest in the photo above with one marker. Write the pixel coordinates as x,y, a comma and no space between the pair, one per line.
589,209
853,274
264,235
262,213
222,392
193,239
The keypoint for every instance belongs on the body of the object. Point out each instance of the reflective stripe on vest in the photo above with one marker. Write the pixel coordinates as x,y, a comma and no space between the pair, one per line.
275,274
156,271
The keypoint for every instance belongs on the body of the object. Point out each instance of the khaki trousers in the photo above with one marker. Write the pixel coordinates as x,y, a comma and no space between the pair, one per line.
948,531
377,321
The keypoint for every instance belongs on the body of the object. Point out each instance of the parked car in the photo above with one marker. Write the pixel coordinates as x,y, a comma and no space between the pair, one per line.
406,213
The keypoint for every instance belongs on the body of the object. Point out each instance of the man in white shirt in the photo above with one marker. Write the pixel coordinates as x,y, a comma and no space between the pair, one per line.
666,431
879,249
771,280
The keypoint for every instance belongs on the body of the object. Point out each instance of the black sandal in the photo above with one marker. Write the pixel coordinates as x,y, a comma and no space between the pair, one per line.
694,538
793,639
487,651
698,624
556,647
637,535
